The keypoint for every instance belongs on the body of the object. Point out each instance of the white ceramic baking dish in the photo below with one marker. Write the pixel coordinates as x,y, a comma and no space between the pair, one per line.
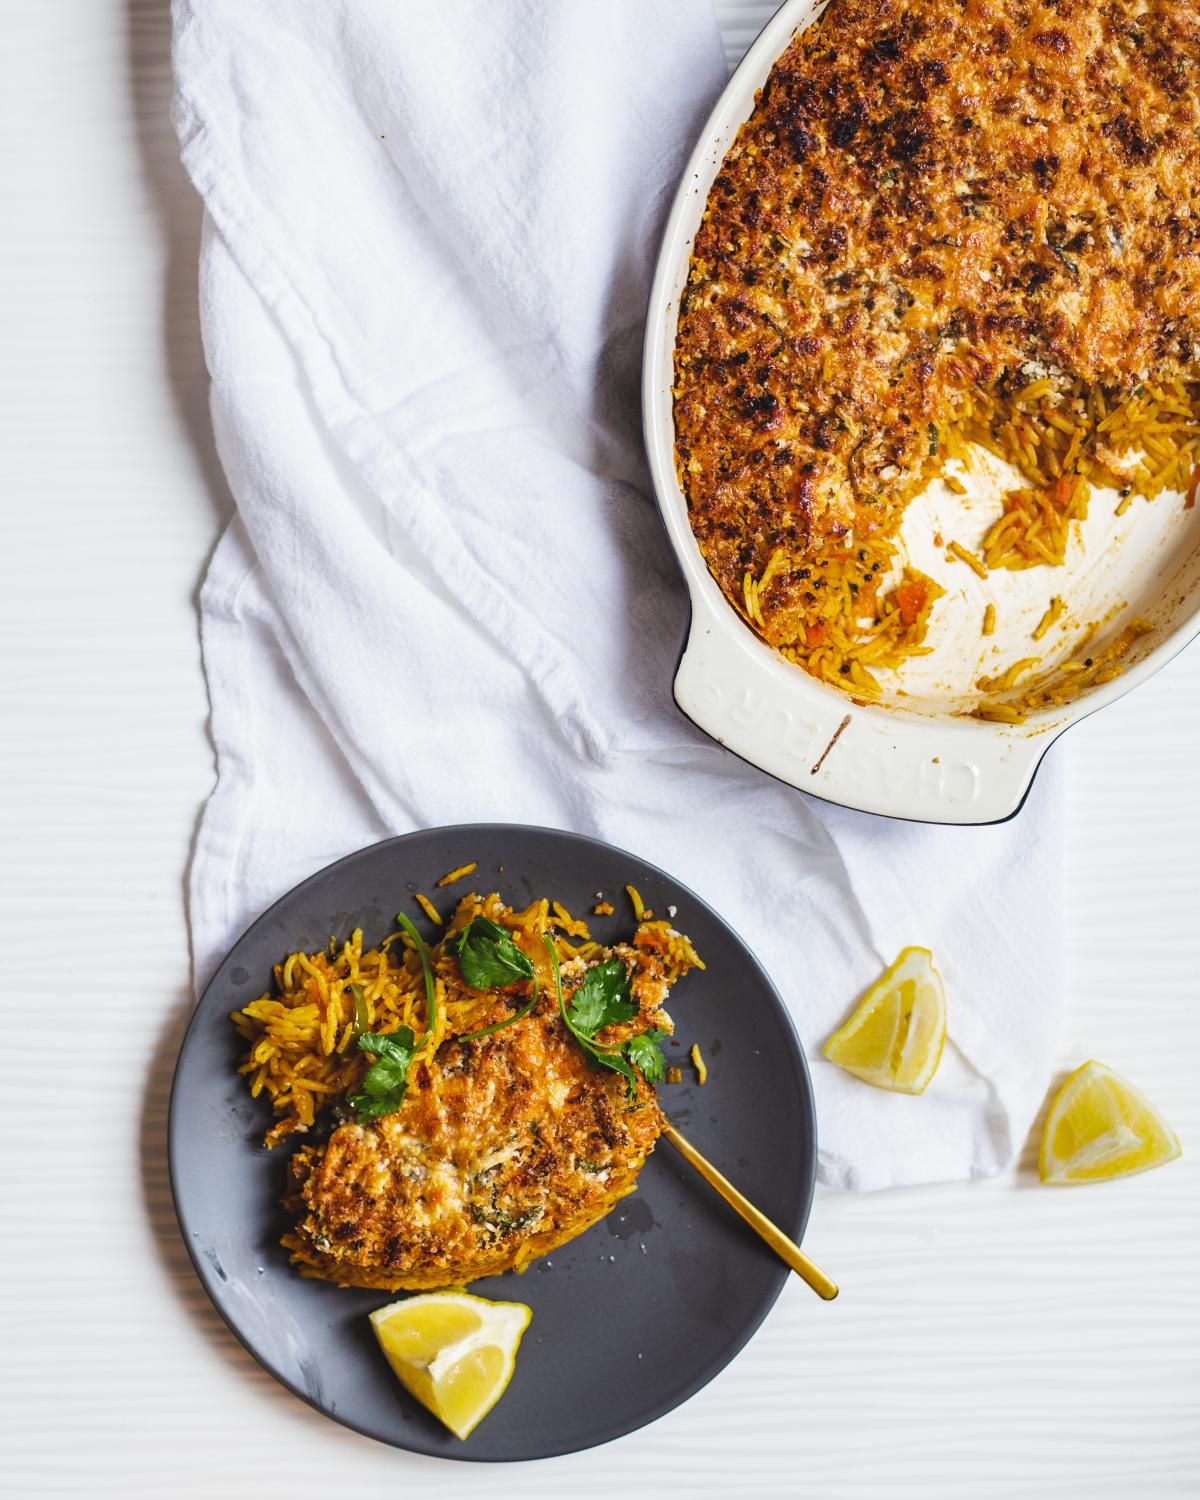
918,754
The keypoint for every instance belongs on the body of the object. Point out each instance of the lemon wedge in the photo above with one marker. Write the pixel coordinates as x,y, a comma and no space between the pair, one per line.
455,1353
894,1039
1100,1127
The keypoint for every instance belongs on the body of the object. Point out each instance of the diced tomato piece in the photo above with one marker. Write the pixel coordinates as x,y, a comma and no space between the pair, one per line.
1064,488
910,600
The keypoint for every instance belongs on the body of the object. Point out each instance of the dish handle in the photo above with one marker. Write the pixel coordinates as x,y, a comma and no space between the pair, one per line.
932,769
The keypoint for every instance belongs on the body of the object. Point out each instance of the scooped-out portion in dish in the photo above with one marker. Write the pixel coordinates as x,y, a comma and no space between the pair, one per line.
953,234
491,1096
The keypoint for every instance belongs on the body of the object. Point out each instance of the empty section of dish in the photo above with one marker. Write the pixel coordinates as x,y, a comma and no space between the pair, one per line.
1037,638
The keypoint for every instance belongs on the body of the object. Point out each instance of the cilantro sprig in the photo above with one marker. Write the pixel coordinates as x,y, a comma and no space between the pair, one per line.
645,1052
602,998
386,1081
489,959
487,955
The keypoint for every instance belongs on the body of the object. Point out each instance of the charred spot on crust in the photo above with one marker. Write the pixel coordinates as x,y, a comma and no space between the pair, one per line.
1125,130
846,126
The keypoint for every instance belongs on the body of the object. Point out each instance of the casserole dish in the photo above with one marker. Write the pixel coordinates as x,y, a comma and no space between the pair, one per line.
918,752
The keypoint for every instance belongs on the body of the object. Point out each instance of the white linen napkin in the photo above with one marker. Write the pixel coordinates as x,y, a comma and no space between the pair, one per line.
447,596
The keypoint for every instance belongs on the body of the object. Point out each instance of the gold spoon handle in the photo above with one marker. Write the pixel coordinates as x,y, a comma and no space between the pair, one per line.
783,1247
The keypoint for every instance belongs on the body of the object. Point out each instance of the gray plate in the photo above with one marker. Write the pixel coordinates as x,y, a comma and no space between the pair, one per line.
631,1318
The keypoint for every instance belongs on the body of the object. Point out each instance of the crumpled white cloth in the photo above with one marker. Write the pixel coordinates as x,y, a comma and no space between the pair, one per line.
447,596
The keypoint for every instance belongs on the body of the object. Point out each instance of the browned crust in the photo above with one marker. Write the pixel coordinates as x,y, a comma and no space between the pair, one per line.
504,1148
928,195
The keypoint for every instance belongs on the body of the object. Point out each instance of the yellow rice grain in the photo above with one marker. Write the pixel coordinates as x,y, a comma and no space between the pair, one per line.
1001,713
989,620
1008,678
776,565
956,549
1065,682
1050,618
427,907
1034,392
567,922
1059,422
681,956
699,1064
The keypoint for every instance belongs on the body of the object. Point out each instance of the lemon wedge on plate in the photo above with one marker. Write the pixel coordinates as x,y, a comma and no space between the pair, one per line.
455,1353
1100,1127
894,1039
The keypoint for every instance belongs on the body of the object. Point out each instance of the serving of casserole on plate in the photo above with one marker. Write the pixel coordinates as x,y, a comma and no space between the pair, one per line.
922,388
490,1113
509,1103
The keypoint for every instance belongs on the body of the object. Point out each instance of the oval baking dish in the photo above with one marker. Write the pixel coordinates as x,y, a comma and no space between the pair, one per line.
919,754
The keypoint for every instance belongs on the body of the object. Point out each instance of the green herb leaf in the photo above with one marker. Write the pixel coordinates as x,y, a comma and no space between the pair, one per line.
607,997
933,438
489,959
487,956
386,1080
388,1044
602,998
503,1223
645,1052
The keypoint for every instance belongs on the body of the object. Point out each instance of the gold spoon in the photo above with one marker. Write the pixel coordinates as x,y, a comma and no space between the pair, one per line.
783,1247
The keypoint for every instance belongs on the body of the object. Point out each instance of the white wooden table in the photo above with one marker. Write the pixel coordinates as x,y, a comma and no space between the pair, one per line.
992,1339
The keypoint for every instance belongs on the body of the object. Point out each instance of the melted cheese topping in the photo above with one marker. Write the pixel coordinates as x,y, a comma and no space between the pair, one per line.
930,197
503,1148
